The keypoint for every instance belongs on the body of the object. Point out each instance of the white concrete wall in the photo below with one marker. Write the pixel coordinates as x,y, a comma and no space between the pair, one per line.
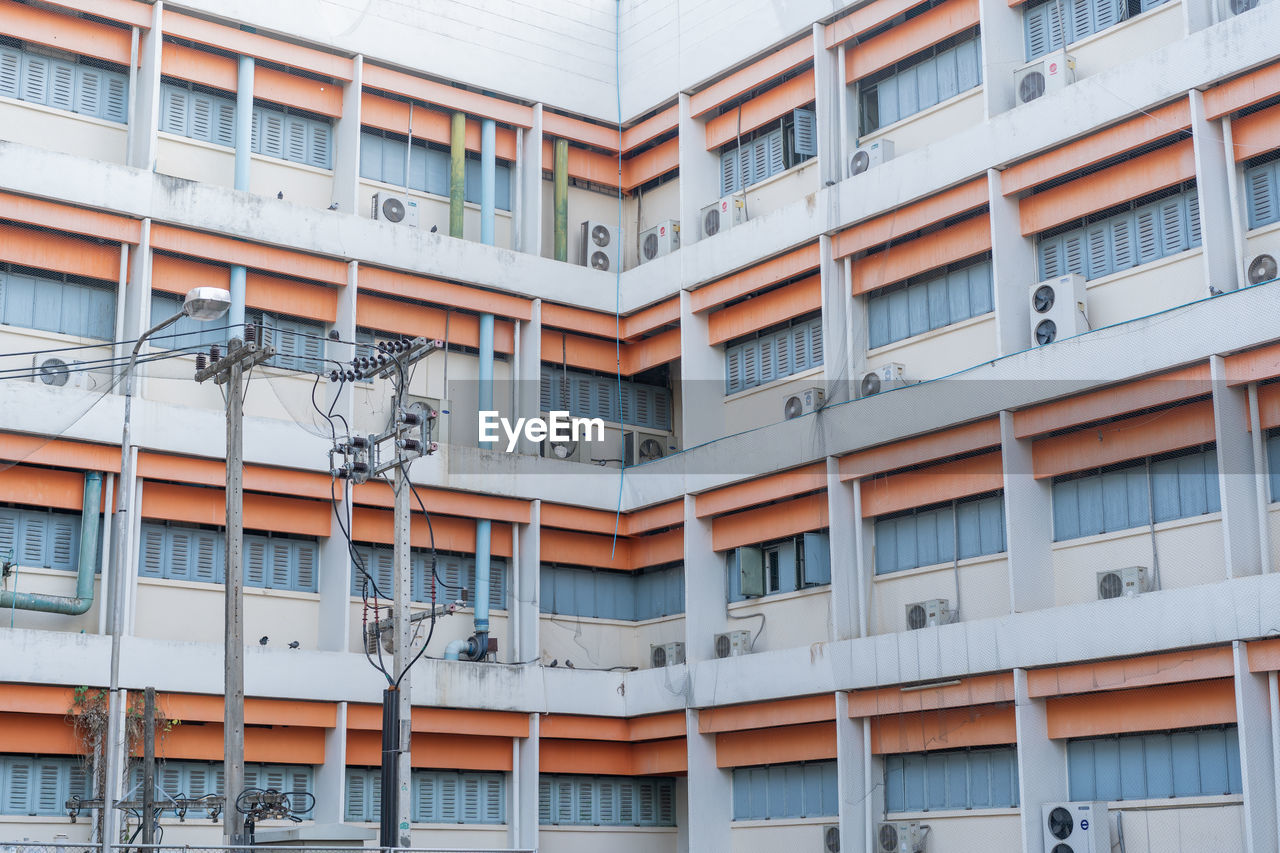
301,184
798,183
927,126
984,591
771,836
763,404
584,205
51,582
1114,45
643,210
940,352
434,210
1168,282
62,130
1198,823
605,643
195,160
616,839
792,619
1259,240
178,610
976,830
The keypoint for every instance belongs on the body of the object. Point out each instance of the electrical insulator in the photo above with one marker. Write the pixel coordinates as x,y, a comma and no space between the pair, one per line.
215,352
410,418
250,333
402,344
333,376
351,376
200,362
382,346
410,444
359,442
360,467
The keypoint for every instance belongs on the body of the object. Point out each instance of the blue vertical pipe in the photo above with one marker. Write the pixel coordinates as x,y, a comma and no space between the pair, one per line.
488,181
244,156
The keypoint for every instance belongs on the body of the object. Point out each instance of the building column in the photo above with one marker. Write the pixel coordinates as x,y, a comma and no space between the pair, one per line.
699,173
528,376
335,555
857,329
331,777
1237,486
522,817
1197,16
864,556
526,586
1042,763
839,314
850,111
144,108
528,207
1028,524
1213,195
1003,52
1255,728
1013,270
828,86
853,760
710,792
701,378
846,591
705,597
346,143
1236,206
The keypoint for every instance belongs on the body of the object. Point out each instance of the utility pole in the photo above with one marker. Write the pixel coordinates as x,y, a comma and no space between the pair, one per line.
229,371
407,438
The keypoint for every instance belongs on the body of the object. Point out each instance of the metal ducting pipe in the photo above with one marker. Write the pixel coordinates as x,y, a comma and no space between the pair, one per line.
83,600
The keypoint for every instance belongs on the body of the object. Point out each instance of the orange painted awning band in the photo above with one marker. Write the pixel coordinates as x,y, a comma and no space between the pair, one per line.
761,490
768,309
788,518
932,251
1148,709
910,218
1146,671
767,715
760,110
910,37
942,481
974,690
769,272
59,252
779,745
236,40
1128,438
949,728
65,32
955,441
72,220
753,76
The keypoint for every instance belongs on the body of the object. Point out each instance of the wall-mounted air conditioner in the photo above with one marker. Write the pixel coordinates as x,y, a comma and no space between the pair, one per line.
661,239
886,377
900,837
600,245
733,643
1076,828
666,654
1058,309
803,403
1051,73
399,209
721,216
831,838
1228,9
639,447
55,372
929,614
1122,583
569,451
1262,269
869,156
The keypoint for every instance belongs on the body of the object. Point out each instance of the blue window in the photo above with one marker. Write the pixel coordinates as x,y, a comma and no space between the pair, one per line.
1187,763
805,789
195,779
382,158
590,395
929,302
1273,463
1263,187
940,534
40,785
38,538
283,133
185,333
921,81
277,131
773,354
198,554
768,151
1047,30
600,594
1135,494
454,572
57,303
197,113
438,796
299,343
1138,234
783,565
75,86
955,779
606,801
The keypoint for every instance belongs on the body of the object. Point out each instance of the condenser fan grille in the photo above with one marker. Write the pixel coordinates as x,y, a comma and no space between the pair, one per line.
564,449
1031,86
722,646
53,371
870,384
860,163
711,222
1046,332
917,617
659,656
650,449
599,261
650,246
600,236
793,409
393,209
1262,269
1110,586
1238,6
1043,299
1061,824
888,837
832,839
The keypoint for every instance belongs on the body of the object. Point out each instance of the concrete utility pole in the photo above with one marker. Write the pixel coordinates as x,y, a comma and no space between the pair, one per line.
403,593
229,372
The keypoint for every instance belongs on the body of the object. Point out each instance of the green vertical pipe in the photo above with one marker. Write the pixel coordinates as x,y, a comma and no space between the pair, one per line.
457,172
561,181
90,510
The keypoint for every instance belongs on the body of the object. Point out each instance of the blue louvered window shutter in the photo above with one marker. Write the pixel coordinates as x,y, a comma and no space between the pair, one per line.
10,72
63,85
929,302
929,537
1273,466
806,132
1263,196
1158,765
605,801
729,172
781,791
951,780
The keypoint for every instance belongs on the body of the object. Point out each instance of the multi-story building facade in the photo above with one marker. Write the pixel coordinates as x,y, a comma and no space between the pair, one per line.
926,562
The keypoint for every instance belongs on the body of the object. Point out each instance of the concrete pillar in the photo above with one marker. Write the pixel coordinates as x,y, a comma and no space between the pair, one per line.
710,792
853,761
1042,763
682,815
526,587
1003,52
137,296
346,143
1013,268
244,122
335,555
1236,204
701,379
1212,165
1261,478
846,597
856,326
1257,745
144,104
863,530
1237,487
705,596
331,777
837,318
528,379
1028,524
850,112
1197,16
829,91
699,173
522,817
528,207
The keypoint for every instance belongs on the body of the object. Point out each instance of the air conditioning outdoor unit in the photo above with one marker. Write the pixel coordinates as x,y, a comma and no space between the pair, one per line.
569,451
600,246
1051,73
641,447
929,614
721,216
57,372
733,643
900,837
1228,9
400,209
831,838
1076,828
805,402
1058,309
1123,583
870,156
1262,269
661,239
666,654
886,377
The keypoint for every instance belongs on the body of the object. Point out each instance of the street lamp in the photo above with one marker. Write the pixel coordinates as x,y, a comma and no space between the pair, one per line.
204,304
